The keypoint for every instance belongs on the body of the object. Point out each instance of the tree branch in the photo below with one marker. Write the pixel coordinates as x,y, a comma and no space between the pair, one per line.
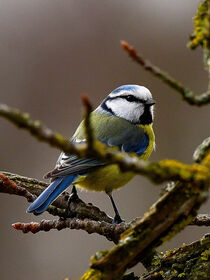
110,231
8,186
202,150
87,124
167,217
201,34
37,129
186,93
79,209
191,261
170,214
159,172
27,187
201,220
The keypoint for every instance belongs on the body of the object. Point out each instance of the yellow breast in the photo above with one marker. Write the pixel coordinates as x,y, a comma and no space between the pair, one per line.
149,131
110,177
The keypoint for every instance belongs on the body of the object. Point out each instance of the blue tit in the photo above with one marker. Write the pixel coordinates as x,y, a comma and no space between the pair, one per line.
123,119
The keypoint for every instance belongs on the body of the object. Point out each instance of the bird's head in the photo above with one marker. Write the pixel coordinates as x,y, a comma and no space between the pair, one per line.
131,102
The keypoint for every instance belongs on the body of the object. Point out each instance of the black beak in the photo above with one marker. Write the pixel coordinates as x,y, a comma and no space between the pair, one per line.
150,102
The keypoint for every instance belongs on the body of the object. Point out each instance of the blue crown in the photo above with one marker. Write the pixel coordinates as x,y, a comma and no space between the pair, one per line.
126,87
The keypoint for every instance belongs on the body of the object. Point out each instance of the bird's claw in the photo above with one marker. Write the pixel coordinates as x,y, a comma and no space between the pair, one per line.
72,198
117,220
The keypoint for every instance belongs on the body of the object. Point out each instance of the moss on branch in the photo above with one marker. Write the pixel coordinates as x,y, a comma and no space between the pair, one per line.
201,34
189,262
85,216
158,172
159,224
156,227
168,216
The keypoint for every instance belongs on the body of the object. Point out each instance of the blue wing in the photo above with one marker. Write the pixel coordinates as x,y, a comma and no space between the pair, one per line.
126,136
138,148
68,165
129,138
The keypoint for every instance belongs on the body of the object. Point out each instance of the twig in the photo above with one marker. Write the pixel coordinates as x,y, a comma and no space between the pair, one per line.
37,129
27,187
110,231
201,220
30,188
10,187
157,172
87,124
186,93
202,150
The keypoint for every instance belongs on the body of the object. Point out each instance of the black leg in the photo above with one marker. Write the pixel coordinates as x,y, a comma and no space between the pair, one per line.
117,218
73,197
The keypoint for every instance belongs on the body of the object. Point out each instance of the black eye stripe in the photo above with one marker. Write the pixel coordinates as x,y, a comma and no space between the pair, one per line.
129,98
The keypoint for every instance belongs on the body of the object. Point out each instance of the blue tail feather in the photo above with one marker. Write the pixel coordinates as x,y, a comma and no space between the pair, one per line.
50,194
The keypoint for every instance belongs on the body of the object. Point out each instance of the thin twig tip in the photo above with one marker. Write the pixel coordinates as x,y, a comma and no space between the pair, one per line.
124,44
86,102
128,48
16,226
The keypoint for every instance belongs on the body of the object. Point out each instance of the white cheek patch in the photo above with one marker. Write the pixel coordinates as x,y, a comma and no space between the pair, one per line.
130,111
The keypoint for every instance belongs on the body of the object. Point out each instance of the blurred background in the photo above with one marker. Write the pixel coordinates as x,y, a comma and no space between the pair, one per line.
53,51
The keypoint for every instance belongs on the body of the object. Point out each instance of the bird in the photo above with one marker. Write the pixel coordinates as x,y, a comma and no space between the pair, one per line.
124,120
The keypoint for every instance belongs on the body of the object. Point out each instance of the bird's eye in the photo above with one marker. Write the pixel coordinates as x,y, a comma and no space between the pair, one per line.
131,98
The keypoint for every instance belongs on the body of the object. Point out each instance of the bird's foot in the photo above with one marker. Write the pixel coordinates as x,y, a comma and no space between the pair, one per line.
72,198
117,220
